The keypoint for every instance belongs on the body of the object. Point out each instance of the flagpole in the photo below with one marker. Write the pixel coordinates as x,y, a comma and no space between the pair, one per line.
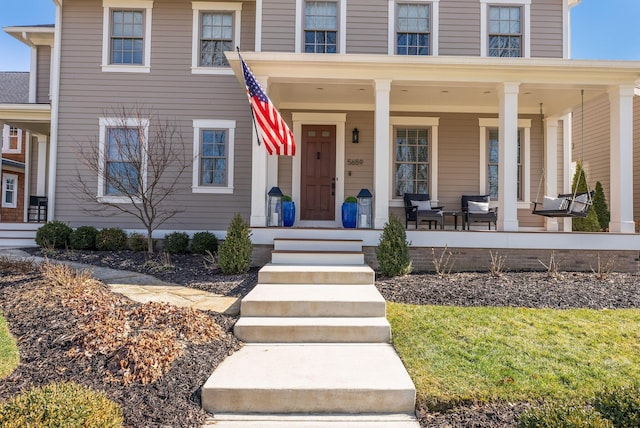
253,115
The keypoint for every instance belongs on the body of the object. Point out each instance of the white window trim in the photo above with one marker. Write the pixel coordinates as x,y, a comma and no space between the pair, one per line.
198,125
5,177
6,141
435,25
107,5
205,6
342,26
424,122
525,156
484,21
109,122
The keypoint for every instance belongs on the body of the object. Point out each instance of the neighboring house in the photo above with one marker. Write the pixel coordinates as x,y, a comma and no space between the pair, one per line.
14,89
450,97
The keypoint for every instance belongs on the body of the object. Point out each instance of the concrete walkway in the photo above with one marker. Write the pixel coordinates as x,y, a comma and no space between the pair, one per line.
145,288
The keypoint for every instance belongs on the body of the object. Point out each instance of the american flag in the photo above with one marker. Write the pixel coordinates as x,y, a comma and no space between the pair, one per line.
272,129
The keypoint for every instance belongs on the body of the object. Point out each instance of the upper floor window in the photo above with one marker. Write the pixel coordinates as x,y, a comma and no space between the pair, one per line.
127,35
216,30
505,31
9,191
321,27
506,28
123,161
11,140
213,148
413,29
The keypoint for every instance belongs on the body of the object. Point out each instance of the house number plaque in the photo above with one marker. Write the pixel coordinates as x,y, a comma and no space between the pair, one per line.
355,162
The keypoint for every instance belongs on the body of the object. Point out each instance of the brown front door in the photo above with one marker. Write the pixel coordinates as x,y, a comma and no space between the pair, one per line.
318,172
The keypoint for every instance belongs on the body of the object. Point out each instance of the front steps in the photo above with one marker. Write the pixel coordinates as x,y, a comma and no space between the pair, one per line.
317,352
18,235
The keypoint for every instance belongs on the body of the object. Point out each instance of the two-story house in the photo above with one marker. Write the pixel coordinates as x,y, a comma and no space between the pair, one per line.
446,97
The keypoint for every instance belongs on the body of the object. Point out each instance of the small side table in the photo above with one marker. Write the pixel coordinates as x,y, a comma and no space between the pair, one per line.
455,215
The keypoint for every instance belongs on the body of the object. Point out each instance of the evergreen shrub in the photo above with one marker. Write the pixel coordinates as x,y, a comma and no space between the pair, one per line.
54,234
68,405
176,243
590,222
600,207
234,255
203,242
393,249
138,242
83,238
111,239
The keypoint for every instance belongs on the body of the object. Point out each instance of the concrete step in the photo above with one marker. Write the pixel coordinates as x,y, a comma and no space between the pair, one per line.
313,300
318,245
317,257
310,378
235,420
313,330
312,274
18,235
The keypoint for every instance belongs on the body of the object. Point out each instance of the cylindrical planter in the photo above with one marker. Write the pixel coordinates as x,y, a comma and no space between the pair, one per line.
349,215
288,213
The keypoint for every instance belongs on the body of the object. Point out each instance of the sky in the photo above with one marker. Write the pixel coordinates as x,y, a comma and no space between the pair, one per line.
600,29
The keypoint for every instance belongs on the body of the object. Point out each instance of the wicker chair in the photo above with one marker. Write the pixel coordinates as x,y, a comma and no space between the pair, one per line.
491,216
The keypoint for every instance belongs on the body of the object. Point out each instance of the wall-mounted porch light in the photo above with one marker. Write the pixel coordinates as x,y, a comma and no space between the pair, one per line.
355,136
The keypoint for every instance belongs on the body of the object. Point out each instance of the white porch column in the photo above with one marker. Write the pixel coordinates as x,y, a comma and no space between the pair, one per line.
621,167
567,177
381,172
259,177
550,167
508,155
41,173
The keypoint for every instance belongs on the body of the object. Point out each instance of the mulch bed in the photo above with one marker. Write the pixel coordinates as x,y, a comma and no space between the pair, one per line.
45,329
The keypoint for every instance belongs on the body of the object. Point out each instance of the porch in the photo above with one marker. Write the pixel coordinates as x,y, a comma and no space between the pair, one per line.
458,107
472,250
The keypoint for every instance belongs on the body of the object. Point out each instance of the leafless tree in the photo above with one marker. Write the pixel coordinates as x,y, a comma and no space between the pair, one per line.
139,163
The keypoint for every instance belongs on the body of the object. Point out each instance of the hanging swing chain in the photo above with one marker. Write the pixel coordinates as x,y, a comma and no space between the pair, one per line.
582,174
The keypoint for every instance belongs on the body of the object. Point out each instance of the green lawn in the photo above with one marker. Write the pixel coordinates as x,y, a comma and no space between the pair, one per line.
458,354
8,350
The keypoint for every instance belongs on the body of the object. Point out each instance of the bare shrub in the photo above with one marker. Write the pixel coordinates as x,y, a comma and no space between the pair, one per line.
443,263
603,267
496,268
552,267
23,266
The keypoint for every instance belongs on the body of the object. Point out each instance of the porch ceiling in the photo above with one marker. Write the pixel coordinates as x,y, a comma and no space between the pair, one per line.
433,84
35,118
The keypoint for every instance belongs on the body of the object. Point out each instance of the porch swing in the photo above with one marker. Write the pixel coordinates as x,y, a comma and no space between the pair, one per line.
573,205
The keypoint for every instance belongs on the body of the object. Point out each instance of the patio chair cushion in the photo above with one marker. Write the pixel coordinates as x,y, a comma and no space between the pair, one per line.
478,207
422,205
554,204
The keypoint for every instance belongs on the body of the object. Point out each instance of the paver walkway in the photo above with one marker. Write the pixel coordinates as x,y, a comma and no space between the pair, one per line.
145,288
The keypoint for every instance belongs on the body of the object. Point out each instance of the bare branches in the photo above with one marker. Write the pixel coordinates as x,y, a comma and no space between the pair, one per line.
138,159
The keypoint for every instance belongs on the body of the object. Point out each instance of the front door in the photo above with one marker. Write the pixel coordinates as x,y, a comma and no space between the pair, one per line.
318,172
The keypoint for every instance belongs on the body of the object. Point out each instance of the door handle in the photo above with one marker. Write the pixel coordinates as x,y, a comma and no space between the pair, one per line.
318,155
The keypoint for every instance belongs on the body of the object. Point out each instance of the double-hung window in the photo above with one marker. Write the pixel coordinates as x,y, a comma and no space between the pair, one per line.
321,27
213,148
413,29
493,158
490,159
11,139
216,30
123,159
127,35
9,191
505,31
505,26
411,160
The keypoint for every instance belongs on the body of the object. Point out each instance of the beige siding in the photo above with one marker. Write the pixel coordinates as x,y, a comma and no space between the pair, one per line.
359,176
460,27
367,29
546,28
170,90
593,150
278,25
44,73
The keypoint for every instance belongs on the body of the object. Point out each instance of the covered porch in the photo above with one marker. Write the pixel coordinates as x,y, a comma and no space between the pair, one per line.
461,104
